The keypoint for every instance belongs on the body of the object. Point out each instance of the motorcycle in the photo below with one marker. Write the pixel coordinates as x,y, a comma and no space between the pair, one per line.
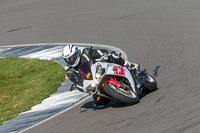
112,81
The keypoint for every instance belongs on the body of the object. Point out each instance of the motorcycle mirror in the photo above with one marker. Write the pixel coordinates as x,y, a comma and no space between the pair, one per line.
120,54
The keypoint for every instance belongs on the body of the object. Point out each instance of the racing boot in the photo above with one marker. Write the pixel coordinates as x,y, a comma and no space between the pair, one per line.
100,101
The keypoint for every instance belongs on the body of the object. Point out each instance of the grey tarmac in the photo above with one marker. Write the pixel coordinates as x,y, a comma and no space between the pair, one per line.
164,33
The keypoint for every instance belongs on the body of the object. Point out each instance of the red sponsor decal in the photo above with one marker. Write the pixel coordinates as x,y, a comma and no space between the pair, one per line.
119,70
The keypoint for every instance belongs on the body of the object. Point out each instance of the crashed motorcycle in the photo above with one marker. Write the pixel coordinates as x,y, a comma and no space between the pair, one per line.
112,81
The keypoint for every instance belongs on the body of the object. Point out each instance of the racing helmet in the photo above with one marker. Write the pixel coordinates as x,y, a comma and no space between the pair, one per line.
71,55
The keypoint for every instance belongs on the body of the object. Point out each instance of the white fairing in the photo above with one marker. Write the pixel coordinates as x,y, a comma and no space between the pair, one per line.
109,70
124,72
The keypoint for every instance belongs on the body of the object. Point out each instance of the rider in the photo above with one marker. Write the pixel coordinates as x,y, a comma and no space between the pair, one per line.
74,57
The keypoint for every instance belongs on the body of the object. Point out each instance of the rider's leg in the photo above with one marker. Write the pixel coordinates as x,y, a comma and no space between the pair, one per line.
74,77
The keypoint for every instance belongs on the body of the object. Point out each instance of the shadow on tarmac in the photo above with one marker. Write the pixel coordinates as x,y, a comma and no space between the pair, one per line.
111,104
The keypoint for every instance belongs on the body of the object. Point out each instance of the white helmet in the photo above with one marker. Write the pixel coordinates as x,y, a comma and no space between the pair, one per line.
71,55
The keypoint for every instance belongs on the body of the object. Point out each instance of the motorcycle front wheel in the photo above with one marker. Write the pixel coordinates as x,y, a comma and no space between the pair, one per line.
124,96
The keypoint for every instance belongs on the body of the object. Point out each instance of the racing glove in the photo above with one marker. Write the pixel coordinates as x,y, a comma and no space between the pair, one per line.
132,66
104,57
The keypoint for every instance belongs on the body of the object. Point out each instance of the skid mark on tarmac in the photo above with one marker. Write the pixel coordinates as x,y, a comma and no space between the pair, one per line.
19,29
156,71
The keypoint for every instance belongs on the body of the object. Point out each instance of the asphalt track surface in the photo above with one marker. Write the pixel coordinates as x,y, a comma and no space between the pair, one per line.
162,35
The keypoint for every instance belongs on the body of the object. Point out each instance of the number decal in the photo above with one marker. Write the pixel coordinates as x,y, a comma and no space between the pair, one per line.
119,70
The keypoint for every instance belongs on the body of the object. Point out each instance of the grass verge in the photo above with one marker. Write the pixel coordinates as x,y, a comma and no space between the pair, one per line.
25,83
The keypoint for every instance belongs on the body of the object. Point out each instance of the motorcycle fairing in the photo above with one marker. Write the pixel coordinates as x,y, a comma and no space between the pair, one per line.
122,71
126,73
85,70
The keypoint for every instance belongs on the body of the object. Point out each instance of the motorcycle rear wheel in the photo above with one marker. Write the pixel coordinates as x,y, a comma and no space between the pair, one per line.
151,83
119,95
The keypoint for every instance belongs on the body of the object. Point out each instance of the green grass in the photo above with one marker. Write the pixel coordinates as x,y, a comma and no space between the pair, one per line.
25,83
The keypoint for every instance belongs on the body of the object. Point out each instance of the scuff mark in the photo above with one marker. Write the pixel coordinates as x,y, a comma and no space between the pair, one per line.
156,71
18,29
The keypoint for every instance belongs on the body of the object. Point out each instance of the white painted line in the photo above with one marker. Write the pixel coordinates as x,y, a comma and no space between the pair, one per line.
71,107
60,100
63,95
47,53
1,50
79,44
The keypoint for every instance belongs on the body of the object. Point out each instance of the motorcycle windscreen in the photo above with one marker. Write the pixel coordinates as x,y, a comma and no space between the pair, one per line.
85,70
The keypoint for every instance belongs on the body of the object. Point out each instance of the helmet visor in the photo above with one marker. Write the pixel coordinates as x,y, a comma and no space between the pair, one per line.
71,59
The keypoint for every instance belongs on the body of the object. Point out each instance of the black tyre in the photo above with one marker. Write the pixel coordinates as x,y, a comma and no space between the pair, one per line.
151,83
111,90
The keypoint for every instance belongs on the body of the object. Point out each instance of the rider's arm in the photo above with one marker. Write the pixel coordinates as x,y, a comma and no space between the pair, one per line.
75,77
116,58
95,54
